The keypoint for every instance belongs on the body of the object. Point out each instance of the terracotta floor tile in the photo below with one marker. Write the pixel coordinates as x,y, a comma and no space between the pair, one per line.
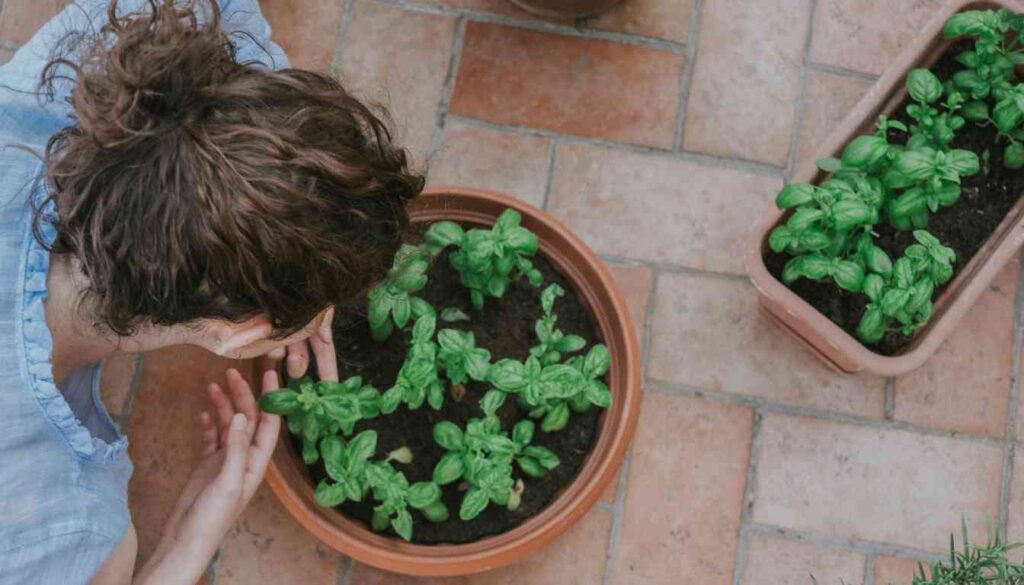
658,208
893,486
682,511
775,561
400,59
163,432
866,35
509,163
965,386
576,558
707,332
828,98
572,85
635,283
267,545
746,79
116,380
895,570
19,19
305,29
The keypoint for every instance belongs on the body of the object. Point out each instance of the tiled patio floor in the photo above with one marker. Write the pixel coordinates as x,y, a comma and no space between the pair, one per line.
659,132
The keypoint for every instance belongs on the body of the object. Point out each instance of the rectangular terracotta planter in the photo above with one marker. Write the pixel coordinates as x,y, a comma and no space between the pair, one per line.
838,348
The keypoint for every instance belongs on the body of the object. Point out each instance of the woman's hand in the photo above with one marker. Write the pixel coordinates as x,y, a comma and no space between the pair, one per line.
238,442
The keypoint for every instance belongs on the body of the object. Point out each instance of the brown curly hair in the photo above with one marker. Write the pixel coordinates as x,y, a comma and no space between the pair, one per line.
192,186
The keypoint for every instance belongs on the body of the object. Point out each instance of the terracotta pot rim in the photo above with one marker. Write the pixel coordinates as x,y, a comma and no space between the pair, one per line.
608,309
830,342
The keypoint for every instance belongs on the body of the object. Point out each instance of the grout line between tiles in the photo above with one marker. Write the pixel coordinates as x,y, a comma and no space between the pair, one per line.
541,26
620,498
647,327
841,71
865,547
552,158
345,574
447,90
686,155
798,104
749,493
890,398
869,570
339,41
802,411
1010,430
686,79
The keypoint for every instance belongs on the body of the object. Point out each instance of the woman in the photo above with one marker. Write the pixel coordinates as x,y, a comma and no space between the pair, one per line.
173,183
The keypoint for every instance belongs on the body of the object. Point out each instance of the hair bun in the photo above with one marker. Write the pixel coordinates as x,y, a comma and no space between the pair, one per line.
147,82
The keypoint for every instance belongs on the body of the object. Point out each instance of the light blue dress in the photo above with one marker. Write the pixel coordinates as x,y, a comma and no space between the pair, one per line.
64,467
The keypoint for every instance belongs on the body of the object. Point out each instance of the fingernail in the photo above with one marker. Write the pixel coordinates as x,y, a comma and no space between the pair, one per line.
238,422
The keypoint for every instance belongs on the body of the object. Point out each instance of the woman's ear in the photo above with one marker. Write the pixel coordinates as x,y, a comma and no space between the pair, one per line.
228,339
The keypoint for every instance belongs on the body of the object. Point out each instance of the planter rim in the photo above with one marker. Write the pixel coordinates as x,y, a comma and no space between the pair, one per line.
830,342
595,285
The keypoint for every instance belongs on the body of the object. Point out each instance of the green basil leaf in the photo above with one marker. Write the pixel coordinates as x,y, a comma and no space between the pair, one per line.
310,454
556,418
508,219
916,164
329,495
436,512
804,218
531,466
848,276
1013,156
1007,115
813,240
435,395
791,272
448,469
814,266
795,195
507,375
570,343
599,395
453,315
850,213
874,286
420,308
893,301
975,111
401,310
473,503
443,234
829,165
597,362
402,523
911,202
522,241
282,402
964,162
380,520
492,401
781,239
872,325
362,446
877,261
924,86
478,364
971,22
423,330
522,433
454,340
864,151
391,398
543,455
423,494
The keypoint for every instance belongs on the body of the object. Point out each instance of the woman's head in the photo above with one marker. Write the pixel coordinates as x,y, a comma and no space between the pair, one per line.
193,188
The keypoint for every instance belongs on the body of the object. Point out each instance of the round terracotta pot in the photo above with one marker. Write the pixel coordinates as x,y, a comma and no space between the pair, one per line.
599,294
566,8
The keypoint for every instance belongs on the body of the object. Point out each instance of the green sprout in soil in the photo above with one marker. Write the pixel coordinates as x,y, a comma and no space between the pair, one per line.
487,464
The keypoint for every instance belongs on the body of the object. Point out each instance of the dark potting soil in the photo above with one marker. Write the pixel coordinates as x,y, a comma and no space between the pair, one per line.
964,226
505,328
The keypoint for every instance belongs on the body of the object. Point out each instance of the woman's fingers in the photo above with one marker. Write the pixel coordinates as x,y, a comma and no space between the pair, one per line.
209,434
326,359
232,471
297,361
222,404
241,395
263,442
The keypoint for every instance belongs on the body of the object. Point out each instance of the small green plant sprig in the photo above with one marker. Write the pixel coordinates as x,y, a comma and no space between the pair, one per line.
903,301
418,378
318,409
353,475
549,392
552,342
973,564
989,75
460,358
488,260
482,455
933,127
391,303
